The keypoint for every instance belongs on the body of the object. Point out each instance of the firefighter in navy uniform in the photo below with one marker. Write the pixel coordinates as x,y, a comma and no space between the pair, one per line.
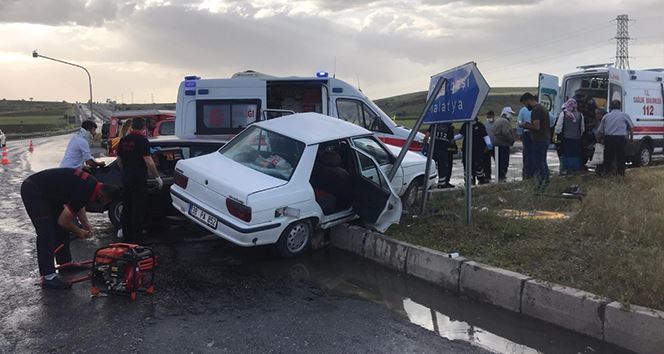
54,199
135,161
444,149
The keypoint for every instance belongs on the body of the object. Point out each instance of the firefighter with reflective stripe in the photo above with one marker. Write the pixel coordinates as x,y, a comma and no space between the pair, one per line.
135,161
54,200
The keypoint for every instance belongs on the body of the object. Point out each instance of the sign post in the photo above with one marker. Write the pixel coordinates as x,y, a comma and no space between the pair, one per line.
455,95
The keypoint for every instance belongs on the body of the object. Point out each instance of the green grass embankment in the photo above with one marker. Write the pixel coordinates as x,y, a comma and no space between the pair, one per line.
21,118
610,243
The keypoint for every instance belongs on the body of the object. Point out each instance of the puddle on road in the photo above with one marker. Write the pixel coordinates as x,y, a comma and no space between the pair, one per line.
432,308
47,154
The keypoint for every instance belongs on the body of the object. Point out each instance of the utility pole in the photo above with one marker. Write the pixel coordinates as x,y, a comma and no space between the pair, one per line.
37,55
622,41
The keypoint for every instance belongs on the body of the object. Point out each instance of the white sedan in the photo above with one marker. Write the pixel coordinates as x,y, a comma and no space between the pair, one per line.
279,179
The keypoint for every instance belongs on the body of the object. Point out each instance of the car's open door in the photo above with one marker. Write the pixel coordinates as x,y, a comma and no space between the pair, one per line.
548,92
374,199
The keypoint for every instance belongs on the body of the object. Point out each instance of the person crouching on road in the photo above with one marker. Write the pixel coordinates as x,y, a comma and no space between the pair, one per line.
78,149
135,161
54,199
570,126
503,139
613,130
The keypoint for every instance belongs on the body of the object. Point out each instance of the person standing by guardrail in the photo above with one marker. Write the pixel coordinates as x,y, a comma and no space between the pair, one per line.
614,129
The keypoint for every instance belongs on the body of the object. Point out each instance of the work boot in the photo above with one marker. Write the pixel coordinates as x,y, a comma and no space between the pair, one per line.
55,283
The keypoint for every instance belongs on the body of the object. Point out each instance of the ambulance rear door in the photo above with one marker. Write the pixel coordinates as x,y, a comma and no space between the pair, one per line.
548,92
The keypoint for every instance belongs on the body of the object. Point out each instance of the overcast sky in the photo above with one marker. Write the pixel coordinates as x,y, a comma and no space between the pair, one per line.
394,46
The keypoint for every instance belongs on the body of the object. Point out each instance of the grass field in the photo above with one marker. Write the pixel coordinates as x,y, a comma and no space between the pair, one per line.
24,117
610,243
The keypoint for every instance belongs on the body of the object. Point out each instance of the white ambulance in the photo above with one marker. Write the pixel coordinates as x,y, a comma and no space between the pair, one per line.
595,86
221,108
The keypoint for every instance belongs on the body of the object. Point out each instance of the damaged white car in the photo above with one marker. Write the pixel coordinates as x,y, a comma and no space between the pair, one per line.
279,179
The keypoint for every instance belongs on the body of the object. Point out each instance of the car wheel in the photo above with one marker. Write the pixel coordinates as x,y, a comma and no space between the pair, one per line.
644,157
295,239
115,214
409,198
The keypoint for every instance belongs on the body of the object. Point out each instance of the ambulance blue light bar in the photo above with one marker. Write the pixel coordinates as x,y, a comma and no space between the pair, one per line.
192,77
322,74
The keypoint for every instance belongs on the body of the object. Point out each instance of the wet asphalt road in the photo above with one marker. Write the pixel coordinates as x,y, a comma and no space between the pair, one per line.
213,297
210,296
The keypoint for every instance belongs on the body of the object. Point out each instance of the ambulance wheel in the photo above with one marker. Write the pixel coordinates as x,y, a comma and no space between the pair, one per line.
115,214
295,239
644,157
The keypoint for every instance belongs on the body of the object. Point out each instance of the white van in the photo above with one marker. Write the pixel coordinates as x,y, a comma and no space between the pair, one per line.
221,108
595,86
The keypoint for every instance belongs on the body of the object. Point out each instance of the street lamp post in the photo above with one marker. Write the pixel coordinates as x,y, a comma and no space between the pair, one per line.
37,55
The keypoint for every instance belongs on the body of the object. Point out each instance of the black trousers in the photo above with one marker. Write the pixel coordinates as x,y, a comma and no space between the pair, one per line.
442,161
450,164
50,236
134,206
503,161
614,154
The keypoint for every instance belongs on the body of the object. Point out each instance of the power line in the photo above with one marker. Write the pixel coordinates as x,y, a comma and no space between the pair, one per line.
540,60
538,44
547,57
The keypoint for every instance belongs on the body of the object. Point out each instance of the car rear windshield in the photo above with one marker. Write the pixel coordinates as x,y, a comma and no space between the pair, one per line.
265,151
167,128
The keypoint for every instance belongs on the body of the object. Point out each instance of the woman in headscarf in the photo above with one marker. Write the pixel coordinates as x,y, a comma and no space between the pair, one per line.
569,127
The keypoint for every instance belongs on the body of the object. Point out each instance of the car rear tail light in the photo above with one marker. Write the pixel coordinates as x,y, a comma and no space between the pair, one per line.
415,146
180,179
238,210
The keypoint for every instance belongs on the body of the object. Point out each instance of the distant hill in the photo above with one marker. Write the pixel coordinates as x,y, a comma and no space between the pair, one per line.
138,106
23,117
409,106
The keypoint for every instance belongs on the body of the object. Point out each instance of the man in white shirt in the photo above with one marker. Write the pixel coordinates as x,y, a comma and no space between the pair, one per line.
78,149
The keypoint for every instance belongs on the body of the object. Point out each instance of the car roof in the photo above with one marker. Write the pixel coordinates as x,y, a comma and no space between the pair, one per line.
312,128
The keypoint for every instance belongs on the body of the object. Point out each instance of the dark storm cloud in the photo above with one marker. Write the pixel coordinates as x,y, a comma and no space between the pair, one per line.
60,12
483,2
184,37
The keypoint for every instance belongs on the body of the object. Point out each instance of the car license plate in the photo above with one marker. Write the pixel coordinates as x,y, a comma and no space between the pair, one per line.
204,217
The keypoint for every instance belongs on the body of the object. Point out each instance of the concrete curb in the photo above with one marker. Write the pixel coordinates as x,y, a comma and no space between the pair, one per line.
496,286
639,329
386,251
567,307
435,267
